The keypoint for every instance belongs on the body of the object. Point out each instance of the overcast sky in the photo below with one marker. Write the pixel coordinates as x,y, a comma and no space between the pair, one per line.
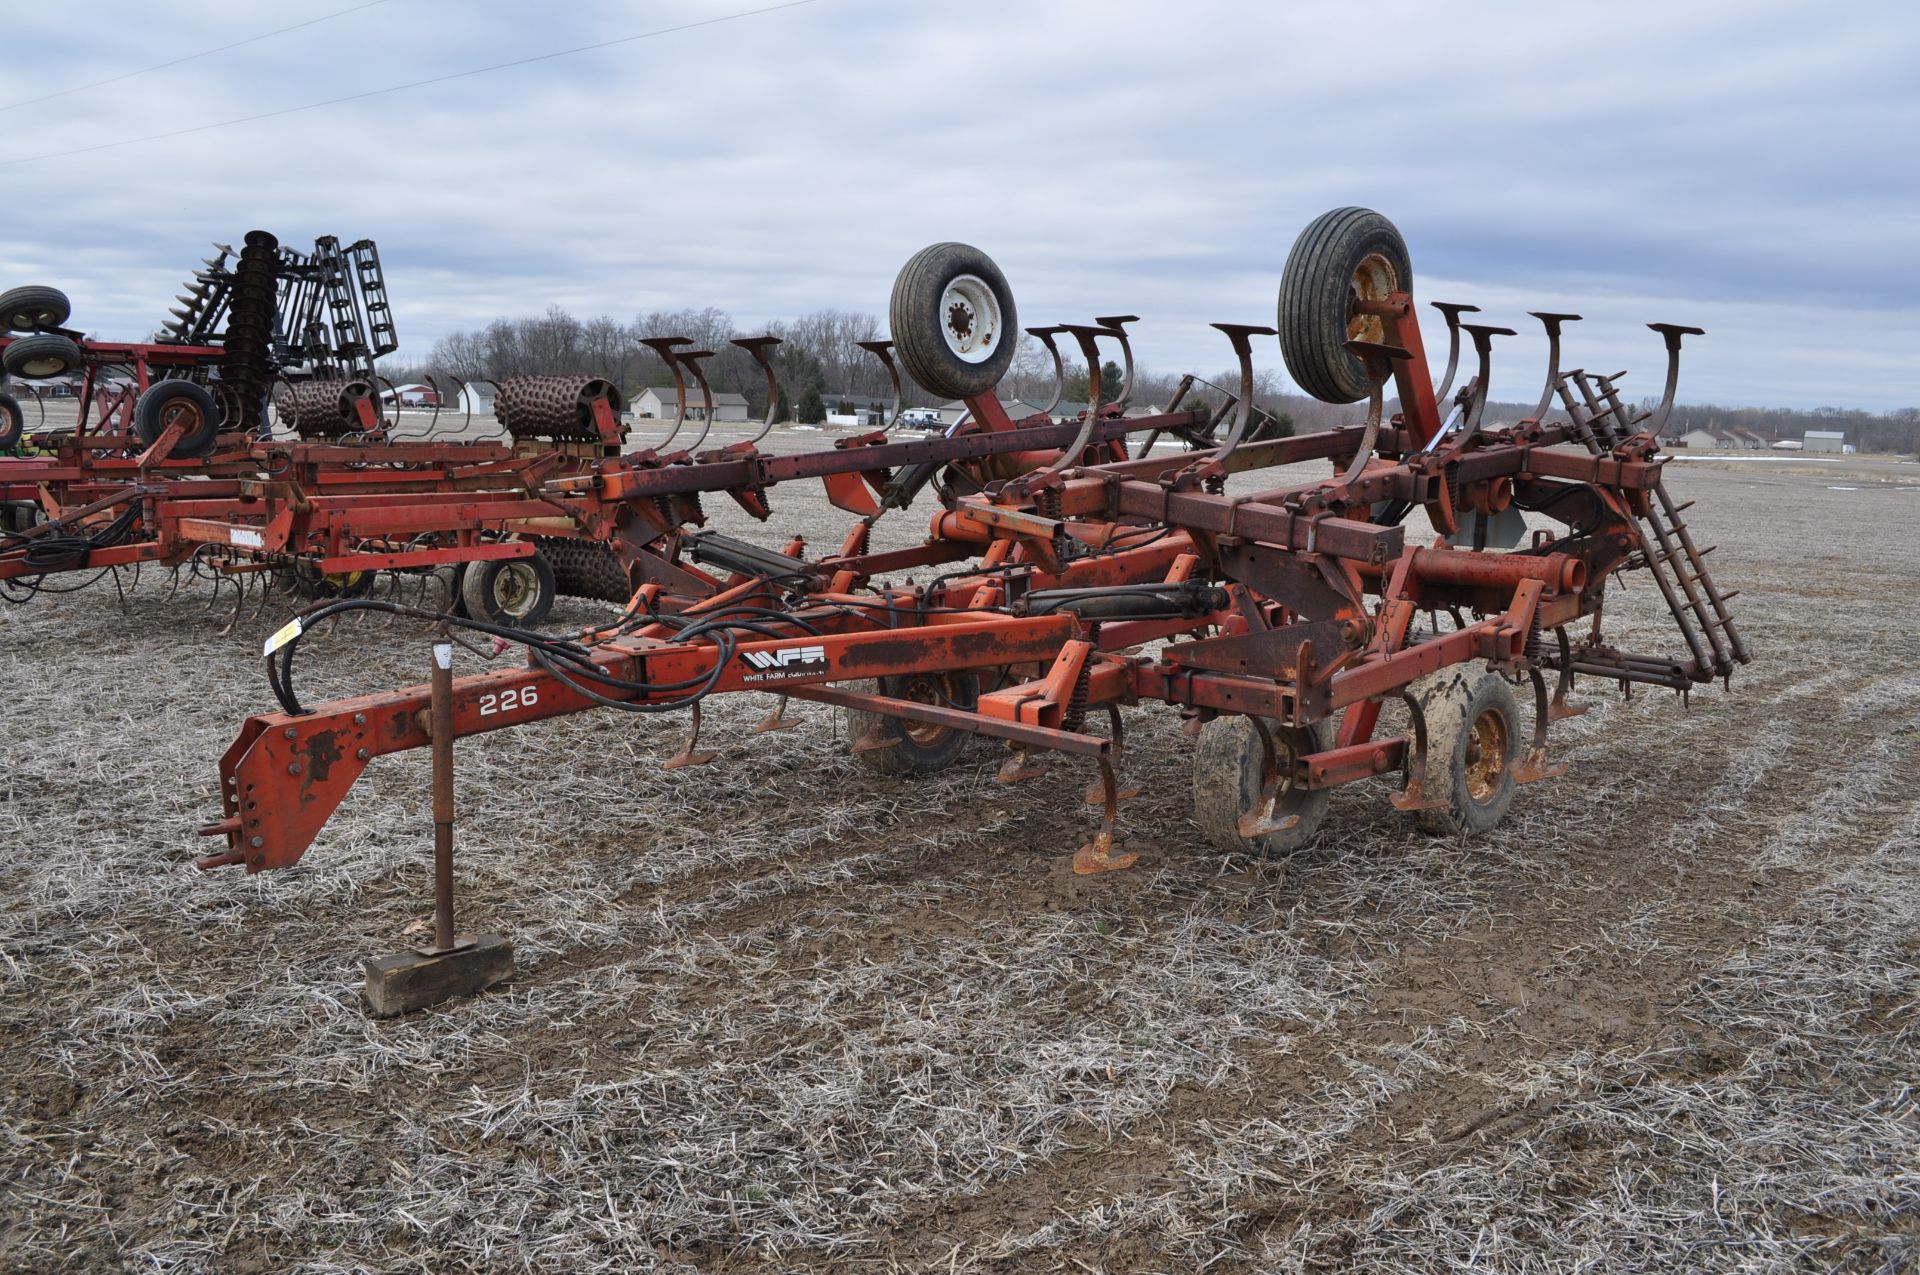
1746,167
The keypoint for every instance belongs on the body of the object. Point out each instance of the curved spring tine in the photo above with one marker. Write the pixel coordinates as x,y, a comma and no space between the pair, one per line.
1552,323
241,585
758,346
1097,855
461,388
1240,335
664,347
1414,795
1671,332
691,358
1087,336
263,589
387,427
1452,310
1117,324
883,350
173,583
1378,360
1482,335
1045,337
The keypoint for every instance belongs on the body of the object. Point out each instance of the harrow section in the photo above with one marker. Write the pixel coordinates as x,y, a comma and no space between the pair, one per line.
1078,576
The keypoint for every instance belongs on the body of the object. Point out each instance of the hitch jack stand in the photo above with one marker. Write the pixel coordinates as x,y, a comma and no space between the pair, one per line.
455,964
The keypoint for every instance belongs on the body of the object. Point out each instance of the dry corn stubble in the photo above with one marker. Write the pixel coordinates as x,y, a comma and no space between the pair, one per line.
782,1014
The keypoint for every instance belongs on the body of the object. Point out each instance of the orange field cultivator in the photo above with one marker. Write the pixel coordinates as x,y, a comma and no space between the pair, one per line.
1076,574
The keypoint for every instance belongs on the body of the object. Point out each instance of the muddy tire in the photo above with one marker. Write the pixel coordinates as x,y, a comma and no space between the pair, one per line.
1473,744
38,358
443,588
13,422
921,749
33,309
1342,256
1226,785
953,320
515,592
164,402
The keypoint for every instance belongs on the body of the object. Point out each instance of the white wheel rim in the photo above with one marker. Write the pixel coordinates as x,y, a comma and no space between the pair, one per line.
515,588
970,319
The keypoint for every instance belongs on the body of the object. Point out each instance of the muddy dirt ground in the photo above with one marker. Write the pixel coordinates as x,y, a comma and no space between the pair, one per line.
783,1014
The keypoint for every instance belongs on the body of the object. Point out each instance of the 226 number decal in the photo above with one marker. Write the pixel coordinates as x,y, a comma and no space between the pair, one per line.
508,700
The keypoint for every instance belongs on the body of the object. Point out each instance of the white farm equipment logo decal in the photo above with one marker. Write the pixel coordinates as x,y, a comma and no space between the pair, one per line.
785,664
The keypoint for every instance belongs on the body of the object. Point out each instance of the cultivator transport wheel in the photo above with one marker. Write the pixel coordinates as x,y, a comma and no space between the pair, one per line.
33,309
308,581
13,422
1344,256
443,588
953,321
1227,773
514,591
918,748
37,358
191,406
1474,733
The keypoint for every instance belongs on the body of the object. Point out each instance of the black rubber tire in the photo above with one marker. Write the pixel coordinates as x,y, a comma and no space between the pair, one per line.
162,400
308,581
33,309
1341,255
501,590
443,590
13,422
919,317
40,357
1226,784
1454,701
922,749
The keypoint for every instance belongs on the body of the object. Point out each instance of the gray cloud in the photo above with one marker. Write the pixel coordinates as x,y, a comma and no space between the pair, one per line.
1739,166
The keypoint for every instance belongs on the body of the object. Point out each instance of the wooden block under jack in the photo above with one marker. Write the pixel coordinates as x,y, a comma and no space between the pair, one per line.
406,981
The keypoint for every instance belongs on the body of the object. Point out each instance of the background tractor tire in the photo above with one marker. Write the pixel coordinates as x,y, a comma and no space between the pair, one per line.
33,309
164,402
512,592
1343,255
1474,735
953,320
920,749
1226,784
13,422
38,358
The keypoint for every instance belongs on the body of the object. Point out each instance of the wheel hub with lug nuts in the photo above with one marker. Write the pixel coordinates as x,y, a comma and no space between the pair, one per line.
1486,755
971,318
514,588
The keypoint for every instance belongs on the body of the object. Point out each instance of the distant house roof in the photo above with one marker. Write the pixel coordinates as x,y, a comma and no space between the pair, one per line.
720,397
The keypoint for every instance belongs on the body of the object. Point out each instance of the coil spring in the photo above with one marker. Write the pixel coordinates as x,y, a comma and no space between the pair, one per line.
1076,715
